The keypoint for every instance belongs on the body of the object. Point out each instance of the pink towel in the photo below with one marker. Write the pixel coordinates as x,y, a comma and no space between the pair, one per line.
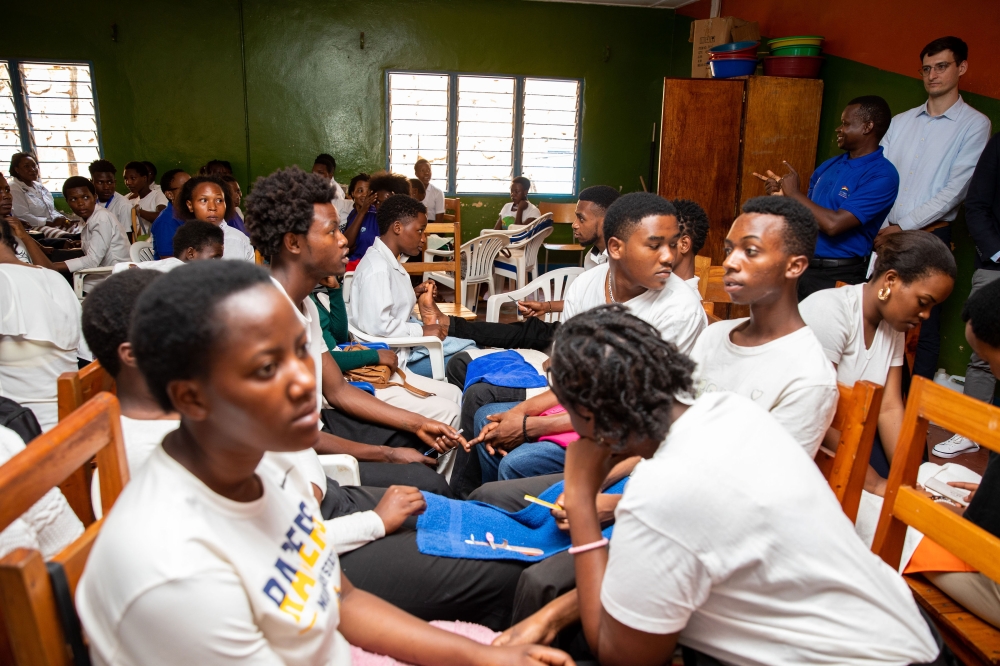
563,439
475,632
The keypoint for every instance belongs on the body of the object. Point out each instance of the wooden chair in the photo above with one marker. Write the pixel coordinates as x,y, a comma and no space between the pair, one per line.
857,420
562,213
971,639
702,266
715,295
449,222
73,389
29,606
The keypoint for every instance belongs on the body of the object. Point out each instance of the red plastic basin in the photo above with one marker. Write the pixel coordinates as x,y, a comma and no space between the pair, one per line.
798,67
736,55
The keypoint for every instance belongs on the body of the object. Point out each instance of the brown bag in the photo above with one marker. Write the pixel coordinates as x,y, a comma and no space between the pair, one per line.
379,376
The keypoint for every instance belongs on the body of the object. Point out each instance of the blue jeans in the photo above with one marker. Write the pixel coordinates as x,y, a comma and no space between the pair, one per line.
423,366
529,459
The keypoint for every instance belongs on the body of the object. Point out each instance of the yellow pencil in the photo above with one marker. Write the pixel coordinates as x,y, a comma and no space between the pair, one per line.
547,505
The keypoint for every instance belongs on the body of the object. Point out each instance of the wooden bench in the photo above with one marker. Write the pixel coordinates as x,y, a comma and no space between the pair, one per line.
971,639
29,609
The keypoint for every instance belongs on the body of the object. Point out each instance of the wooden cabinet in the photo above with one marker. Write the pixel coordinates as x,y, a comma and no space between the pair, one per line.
716,133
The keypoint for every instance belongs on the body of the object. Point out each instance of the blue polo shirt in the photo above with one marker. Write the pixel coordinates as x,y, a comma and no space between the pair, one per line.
866,187
162,232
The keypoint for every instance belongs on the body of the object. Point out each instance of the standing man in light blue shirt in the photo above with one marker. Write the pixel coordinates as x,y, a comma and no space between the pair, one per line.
934,147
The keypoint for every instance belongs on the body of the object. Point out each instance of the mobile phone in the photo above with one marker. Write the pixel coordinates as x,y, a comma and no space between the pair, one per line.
956,495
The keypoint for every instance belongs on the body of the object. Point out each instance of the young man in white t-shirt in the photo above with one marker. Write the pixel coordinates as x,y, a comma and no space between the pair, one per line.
727,541
147,202
101,238
303,250
772,357
103,175
519,211
641,233
433,197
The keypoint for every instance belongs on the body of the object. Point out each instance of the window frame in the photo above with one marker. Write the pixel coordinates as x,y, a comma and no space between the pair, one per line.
21,111
518,139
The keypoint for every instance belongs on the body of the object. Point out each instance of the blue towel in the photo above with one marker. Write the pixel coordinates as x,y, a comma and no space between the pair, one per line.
506,368
446,524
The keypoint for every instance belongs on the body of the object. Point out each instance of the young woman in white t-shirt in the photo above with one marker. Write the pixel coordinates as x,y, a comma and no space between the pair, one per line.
519,211
207,198
203,560
727,539
862,327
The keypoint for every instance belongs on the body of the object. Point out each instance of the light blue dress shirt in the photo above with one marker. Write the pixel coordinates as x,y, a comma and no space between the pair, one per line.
935,158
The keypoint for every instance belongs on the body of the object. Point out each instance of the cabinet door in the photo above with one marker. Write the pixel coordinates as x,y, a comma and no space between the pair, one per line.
781,125
700,149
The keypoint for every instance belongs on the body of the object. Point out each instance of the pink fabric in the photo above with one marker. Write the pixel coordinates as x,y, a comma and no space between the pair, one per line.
563,439
475,632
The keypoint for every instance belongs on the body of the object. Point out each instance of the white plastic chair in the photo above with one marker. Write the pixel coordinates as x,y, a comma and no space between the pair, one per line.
342,468
552,285
141,251
345,286
434,346
80,277
478,256
522,263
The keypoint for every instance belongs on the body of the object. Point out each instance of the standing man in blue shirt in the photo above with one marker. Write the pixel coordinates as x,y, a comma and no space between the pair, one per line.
935,147
850,195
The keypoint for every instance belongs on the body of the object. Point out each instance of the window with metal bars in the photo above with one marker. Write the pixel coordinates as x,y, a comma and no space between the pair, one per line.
49,109
478,131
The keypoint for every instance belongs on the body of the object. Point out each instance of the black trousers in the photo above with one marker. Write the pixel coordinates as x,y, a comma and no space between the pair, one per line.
532,333
929,343
815,279
432,588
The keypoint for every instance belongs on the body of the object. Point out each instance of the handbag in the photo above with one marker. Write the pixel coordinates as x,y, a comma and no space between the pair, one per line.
379,375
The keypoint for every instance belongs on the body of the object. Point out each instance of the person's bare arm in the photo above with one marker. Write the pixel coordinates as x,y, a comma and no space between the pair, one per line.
366,407
890,416
361,207
370,453
538,308
31,246
377,626
149,215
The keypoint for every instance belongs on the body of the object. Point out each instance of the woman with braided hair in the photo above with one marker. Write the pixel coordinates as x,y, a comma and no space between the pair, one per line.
727,539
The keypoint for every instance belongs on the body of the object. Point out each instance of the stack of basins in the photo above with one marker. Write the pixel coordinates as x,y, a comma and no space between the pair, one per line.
734,59
797,57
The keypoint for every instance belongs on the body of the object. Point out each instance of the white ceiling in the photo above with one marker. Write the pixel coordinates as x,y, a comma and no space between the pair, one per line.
662,4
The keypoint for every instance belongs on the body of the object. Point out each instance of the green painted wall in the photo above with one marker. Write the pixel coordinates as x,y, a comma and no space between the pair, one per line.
171,88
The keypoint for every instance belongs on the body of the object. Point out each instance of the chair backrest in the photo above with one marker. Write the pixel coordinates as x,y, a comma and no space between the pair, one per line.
702,268
479,255
562,213
905,506
448,222
72,390
345,286
857,420
27,597
141,251
542,231
552,285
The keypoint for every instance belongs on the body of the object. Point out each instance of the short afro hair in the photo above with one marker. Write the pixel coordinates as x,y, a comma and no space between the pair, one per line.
107,311
982,312
523,182
913,255
74,182
197,234
101,166
174,330
624,215
326,160
361,177
151,168
601,196
620,368
694,222
875,110
139,167
398,207
282,203
168,179
385,181
954,44
187,193
801,228
416,187
213,165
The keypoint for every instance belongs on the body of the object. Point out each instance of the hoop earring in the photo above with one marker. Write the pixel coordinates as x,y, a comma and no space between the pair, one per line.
883,293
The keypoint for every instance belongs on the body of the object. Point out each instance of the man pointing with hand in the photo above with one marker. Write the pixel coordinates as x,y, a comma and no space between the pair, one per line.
850,195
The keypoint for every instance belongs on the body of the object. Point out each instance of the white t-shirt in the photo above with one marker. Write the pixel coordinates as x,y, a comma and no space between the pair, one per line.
149,203
675,311
731,536
835,316
235,244
121,209
593,259
434,200
39,337
103,244
162,265
509,215
180,574
789,377
309,318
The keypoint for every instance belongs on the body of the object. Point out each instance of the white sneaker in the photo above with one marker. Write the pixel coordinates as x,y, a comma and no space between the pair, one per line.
955,446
